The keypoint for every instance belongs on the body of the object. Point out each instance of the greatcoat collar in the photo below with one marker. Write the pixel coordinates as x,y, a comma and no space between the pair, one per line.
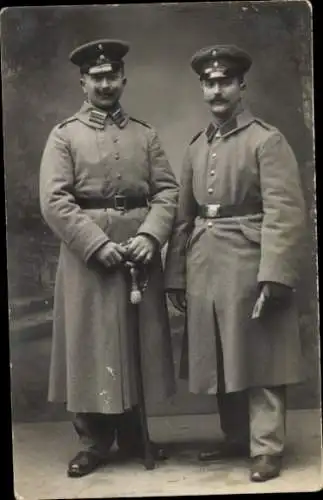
238,121
95,117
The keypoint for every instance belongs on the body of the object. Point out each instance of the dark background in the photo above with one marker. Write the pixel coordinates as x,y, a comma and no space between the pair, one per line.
41,87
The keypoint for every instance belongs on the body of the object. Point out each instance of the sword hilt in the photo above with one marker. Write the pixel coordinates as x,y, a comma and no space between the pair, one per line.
135,293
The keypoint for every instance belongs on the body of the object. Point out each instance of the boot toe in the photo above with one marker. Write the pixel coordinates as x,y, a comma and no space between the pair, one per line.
265,467
84,463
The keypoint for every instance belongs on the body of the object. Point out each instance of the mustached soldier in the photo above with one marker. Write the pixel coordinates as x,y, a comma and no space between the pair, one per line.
237,238
105,179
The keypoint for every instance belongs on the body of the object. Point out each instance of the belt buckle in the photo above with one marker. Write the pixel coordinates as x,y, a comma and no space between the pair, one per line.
119,202
212,210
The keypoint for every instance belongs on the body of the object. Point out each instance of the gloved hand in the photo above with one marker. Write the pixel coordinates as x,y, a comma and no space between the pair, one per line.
178,299
272,294
277,291
141,248
110,254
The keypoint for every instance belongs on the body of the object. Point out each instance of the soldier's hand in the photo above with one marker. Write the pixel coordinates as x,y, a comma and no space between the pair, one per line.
277,292
141,248
272,296
110,254
178,299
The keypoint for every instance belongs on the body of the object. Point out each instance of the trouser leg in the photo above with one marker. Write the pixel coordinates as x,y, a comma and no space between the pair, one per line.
96,431
129,433
233,406
233,411
267,407
234,416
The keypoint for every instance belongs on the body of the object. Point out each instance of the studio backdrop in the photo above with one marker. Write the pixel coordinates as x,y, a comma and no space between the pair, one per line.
41,88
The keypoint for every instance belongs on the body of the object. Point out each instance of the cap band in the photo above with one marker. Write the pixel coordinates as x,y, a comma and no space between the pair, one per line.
102,68
107,67
218,74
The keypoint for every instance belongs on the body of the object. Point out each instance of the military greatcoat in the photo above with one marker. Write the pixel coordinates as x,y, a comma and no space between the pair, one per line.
92,354
220,262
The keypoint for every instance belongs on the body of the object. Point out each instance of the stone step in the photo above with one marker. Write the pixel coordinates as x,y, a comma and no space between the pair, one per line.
31,326
26,306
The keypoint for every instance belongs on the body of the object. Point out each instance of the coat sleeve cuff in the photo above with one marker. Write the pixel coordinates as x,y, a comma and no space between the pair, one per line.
147,230
283,278
150,236
87,250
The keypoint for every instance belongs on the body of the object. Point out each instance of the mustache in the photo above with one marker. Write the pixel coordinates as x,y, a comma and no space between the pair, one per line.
218,100
106,93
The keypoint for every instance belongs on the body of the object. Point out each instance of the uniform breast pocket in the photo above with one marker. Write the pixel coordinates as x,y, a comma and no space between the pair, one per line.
251,230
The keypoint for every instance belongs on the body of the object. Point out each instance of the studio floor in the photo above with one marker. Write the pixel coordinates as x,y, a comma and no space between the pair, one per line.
42,450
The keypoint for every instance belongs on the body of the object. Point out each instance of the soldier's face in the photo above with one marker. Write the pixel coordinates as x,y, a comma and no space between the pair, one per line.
104,89
222,94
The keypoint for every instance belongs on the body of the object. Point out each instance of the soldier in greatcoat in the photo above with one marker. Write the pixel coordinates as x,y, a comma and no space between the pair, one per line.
104,181
233,264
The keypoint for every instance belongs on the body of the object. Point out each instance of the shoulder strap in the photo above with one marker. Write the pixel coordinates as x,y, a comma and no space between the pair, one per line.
68,120
196,136
264,124
145,124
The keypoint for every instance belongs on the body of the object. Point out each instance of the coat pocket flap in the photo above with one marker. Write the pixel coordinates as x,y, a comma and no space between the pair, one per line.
251,230
194,236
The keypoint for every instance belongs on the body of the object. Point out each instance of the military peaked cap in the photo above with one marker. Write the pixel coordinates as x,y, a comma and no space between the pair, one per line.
220,61
100,56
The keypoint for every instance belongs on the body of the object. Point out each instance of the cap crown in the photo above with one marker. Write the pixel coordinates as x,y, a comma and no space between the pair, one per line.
100,55
221,60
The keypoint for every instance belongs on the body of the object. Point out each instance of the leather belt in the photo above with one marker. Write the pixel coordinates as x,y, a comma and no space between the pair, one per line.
118,202
216,210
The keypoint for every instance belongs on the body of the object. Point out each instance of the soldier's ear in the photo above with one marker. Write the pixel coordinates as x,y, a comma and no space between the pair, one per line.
124,81
82,82
243,85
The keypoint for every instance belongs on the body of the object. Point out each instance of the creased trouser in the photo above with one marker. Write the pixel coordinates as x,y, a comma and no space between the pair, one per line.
265,409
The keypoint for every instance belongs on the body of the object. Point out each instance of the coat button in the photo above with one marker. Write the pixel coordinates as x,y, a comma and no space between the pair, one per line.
209,224
213,155
117,156
115,139
119,176
210,190
212,172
